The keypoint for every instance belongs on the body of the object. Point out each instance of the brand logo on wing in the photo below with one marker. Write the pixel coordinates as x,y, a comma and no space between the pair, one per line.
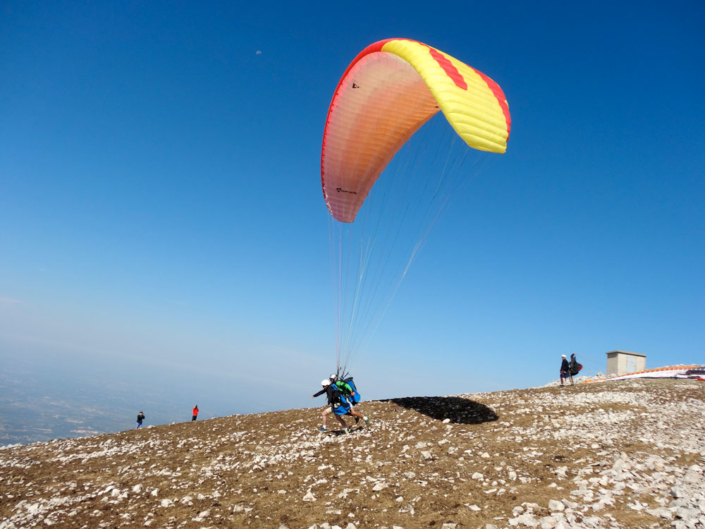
341,190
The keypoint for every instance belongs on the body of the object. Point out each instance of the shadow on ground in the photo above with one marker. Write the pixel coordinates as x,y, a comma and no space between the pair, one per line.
335,433
458,410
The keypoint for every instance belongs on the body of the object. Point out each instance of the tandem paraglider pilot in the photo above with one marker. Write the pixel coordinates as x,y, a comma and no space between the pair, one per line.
337,406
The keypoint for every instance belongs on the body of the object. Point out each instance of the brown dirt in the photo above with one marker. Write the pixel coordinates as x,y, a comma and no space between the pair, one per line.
245,462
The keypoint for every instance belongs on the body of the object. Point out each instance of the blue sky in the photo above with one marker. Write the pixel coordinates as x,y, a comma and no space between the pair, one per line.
160,198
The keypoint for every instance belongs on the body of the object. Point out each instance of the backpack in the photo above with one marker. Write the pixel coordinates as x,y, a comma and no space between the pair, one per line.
349,381
576,369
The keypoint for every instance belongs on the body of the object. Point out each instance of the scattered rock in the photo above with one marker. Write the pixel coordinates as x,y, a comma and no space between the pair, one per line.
500,446
554,505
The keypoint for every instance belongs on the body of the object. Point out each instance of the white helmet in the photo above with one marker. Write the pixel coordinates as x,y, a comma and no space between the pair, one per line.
325,383
334,376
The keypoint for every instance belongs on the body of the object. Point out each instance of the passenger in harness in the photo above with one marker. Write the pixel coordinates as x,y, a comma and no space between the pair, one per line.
337,405
348,390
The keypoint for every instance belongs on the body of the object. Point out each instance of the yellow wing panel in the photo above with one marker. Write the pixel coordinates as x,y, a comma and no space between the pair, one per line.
475,111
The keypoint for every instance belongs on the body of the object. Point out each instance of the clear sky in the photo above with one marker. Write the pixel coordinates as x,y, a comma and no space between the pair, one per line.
160,201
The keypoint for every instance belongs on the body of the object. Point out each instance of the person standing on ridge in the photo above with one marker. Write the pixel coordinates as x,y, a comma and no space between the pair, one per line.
337,406
195,413
140,418
565,371
574,366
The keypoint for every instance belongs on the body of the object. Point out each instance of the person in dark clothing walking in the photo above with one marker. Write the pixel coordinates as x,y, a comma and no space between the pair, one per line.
565,372
337,406
140,418
195,413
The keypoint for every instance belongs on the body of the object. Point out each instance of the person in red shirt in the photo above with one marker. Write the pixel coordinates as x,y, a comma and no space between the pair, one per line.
195,413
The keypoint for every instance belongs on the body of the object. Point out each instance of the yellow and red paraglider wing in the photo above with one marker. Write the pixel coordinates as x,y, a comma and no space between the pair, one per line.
390,90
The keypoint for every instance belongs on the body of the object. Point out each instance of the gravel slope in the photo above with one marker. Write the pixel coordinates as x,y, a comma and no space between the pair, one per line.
619,454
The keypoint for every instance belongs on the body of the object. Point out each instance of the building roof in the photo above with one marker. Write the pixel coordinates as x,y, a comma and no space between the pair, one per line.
625,353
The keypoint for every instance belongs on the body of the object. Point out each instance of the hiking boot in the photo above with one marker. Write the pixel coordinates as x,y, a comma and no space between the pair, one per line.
367,421
323,430
357,420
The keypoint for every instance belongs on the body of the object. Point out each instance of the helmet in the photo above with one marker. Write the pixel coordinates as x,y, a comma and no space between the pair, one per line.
325,383
334,376
562,356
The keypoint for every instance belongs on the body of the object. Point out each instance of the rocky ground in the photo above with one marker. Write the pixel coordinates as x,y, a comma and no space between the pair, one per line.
618,454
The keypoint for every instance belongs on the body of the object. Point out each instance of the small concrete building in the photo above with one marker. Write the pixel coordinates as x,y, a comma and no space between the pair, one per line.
624,362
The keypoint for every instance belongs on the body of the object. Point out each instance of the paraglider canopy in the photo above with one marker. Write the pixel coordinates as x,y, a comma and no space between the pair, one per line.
381,119
387,93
